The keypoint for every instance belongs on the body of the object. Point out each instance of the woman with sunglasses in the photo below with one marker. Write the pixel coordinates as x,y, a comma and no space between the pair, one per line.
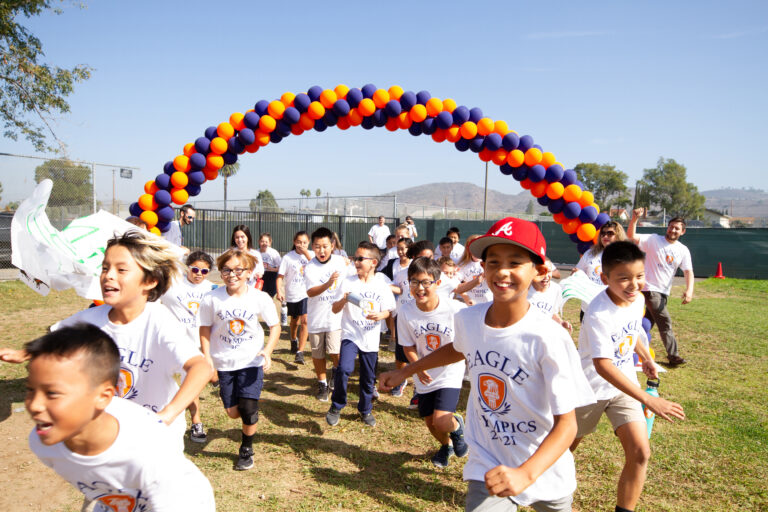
183,298
242,239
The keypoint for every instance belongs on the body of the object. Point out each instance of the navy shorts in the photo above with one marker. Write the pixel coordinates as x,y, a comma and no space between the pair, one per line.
270,283
297,308
443,399
242,383
399,352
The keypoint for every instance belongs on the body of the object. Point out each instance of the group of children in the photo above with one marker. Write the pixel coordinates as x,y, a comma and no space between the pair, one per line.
532,398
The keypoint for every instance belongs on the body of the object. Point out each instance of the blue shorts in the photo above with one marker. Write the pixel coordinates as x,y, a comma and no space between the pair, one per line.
297,308
443,399
242,383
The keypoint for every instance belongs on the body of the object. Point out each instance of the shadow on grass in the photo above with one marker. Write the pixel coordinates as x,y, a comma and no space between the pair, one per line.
11,391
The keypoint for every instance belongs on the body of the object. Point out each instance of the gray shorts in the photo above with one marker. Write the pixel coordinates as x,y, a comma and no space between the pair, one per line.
323,343
620,410
478,500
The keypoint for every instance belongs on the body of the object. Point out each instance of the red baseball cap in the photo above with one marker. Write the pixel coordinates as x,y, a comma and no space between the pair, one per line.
512,231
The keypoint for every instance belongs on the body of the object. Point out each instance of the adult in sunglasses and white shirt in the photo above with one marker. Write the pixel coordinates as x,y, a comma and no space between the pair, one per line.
186,217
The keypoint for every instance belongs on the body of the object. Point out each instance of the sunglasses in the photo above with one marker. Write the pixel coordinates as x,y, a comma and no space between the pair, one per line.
608,233
198,270
360,259
237,271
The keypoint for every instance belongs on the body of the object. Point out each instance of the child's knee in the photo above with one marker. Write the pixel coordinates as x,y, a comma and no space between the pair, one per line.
443,422
249,410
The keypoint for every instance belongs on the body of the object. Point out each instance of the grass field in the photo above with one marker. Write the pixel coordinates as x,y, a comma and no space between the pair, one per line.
716,460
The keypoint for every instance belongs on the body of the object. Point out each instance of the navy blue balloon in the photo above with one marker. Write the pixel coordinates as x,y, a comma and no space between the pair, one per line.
583,247
444,120
588,214
538,147
526,143
163,197
283,128
580,184
196,177
162,225
554,173
211,132
506,169
493,141
462,144
163,181
166,212
601,219
301,102
569,177
235,146
314,92
510,141
135,210
202,145
477,144
230,158
572,210
251,120
261,108
423,97
320,126
330,119
368,90
574,237
536,173
475,114
543,200
354,97
274,138
408,100
393,108
415,129
246,136
429,126
556,205
520,173
192,189
168,168
197,160
341,107
368,123
379,118
291,115
460,115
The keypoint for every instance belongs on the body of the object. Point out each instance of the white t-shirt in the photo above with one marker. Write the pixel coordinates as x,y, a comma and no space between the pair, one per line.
428,331
521,376
480,293
236,334
270,257
183,298
662,260
457,252
320,318
592,266
549,301
292,269
173,234
391,254
412,233
153,348
258,271
376,296
140,471
610,332
379,235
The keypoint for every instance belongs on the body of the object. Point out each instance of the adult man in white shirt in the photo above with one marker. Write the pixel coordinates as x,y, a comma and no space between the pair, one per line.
664,255
186,217
379,233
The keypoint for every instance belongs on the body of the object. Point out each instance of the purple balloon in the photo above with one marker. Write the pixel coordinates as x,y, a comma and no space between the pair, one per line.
192,189
556,205
162,225
493,141
211,132
460,115
291,115
368,90
163,181
571,210
379,118
475,114
251,120
526,143
477,144
543,200
423,97
283,128
444,120
510,141
415,129
301,102
368,123
408,100
314,92
320,126
506,169
520,173
246,137
601,219
569,177
274,138
393,108
536,173
462,144
574,237
197,161
165,213
235,146
163,197
195,177
583,247
261,108
330,118
538,147
229,158
203,145
341,107
428,126
588,214
135,210
168,168
554,173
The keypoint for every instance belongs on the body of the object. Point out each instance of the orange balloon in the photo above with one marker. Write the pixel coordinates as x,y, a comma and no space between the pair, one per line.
501,128
306,122
515,158
500,156
434,107
547,159
316,110
276,109
218,146
343,123
532,157
555,190
179,179
287,99
453,134
328,98
341,91
391,124
586,199
395,92
296,129
355,118
147,202
179,195
418,113
439,135
559,217
526,184
155,231
539,189
211,174
149,218
571,226
150,187
366,107
236,120
404,120
572,193
267,124
449,105
214,161
468,130
485,155
181,163
189,149
586,232
262,138
380,98
485,126
225,130
597,237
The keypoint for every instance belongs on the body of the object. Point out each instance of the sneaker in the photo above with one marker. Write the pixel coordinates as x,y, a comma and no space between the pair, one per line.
392,344
443,455
294,346
398,390
368,419
245,460
414,402
333,416
375,393
460,447
322,392
676,361
331,375
197,433
299,359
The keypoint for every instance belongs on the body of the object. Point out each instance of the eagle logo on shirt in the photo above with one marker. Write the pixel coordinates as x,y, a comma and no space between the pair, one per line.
493,391
367,307
125,384
193,306
670,258
236,327
624,346
118,503
433,341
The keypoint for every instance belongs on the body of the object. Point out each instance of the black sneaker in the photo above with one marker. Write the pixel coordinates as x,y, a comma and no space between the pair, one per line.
322,392
299,359
331,375
333,416
460,447
197,433
442,458
245,460
414,402
294,346
368,419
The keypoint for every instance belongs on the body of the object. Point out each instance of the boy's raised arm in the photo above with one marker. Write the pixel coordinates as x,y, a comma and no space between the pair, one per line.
443,356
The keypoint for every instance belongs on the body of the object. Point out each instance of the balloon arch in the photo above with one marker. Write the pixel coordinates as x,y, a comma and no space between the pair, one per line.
269,122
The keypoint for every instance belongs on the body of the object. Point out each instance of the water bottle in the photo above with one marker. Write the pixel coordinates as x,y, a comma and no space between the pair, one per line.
355,299
284,314
653,390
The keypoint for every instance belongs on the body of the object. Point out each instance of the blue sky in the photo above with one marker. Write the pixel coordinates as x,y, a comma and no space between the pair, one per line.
614,82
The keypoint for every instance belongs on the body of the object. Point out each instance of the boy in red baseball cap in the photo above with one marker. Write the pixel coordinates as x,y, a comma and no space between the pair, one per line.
526,381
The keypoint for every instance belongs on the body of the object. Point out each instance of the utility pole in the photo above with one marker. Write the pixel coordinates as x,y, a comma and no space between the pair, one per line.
114,193
485,193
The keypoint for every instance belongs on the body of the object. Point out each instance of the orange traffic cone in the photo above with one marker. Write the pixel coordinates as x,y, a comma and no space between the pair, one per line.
719,274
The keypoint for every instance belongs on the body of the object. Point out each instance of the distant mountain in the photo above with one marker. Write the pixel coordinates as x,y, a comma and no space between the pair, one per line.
745,202
463,195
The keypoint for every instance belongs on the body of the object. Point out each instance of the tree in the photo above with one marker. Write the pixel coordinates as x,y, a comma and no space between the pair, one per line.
227,172
71,182
318,193
529,208
264,201
666,187
607,184
1,191
31,93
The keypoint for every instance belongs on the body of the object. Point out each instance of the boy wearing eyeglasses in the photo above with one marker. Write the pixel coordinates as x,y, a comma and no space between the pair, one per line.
426,324
365,301
183,298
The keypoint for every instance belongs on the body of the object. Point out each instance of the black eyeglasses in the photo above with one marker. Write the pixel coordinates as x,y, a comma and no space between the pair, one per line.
424,284
360,259
237,271
198,270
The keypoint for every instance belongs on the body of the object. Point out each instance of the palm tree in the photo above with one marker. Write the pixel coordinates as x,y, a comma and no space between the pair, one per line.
227,172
